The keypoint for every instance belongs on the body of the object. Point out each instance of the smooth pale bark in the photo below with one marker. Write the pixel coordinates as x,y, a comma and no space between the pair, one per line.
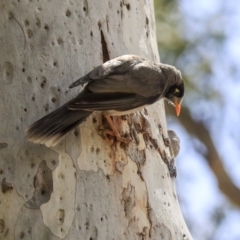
88,187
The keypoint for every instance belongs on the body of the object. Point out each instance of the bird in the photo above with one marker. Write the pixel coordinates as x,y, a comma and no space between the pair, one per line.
118,87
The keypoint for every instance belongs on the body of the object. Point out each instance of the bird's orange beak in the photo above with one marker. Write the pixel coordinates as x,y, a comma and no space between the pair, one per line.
177,104
178,108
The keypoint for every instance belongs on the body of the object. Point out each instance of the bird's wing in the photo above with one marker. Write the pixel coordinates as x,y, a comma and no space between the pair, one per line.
109,101
144,79
147,79
116,66
128,74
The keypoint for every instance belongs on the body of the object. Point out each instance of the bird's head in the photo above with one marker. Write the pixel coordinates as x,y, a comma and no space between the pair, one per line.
175,90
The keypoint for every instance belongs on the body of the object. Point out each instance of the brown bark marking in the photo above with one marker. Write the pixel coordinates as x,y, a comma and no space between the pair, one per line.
104,48
43,184
6,186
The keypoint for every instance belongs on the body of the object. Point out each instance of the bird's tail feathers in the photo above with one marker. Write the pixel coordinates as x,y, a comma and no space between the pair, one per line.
50,129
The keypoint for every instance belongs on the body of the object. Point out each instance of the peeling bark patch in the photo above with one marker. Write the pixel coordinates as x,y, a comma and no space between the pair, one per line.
102,153
6,186
140,129
135,135
128,196
141,124
43,184
154,144
139,212
3,145
104,48
169,162
62,201
137,156
160,231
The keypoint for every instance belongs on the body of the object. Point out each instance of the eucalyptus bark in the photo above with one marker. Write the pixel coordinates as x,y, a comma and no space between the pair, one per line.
89,186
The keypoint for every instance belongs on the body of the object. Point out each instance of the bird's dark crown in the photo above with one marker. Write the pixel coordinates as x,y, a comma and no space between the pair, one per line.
176,88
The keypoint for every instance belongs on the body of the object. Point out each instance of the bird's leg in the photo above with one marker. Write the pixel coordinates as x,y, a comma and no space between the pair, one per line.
111,123
114,131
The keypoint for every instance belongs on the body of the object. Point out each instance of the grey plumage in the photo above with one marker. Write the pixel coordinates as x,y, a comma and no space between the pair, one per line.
116,87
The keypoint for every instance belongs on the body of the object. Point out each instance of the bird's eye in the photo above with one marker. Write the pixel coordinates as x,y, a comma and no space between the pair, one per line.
176,91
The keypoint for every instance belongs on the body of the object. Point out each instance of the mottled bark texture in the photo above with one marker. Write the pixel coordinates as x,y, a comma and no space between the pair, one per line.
89,186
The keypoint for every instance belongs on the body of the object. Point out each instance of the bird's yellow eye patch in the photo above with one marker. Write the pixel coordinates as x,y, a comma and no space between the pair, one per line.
176,90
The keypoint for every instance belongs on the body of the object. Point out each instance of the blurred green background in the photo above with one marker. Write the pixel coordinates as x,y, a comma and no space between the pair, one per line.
202,39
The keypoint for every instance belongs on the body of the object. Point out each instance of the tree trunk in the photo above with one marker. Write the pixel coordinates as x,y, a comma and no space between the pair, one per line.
89,186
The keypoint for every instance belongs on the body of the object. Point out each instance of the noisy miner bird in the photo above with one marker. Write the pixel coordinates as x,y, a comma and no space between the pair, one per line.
117,87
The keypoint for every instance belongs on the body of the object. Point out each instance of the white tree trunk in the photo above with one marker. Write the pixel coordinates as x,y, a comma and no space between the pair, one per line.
87,187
